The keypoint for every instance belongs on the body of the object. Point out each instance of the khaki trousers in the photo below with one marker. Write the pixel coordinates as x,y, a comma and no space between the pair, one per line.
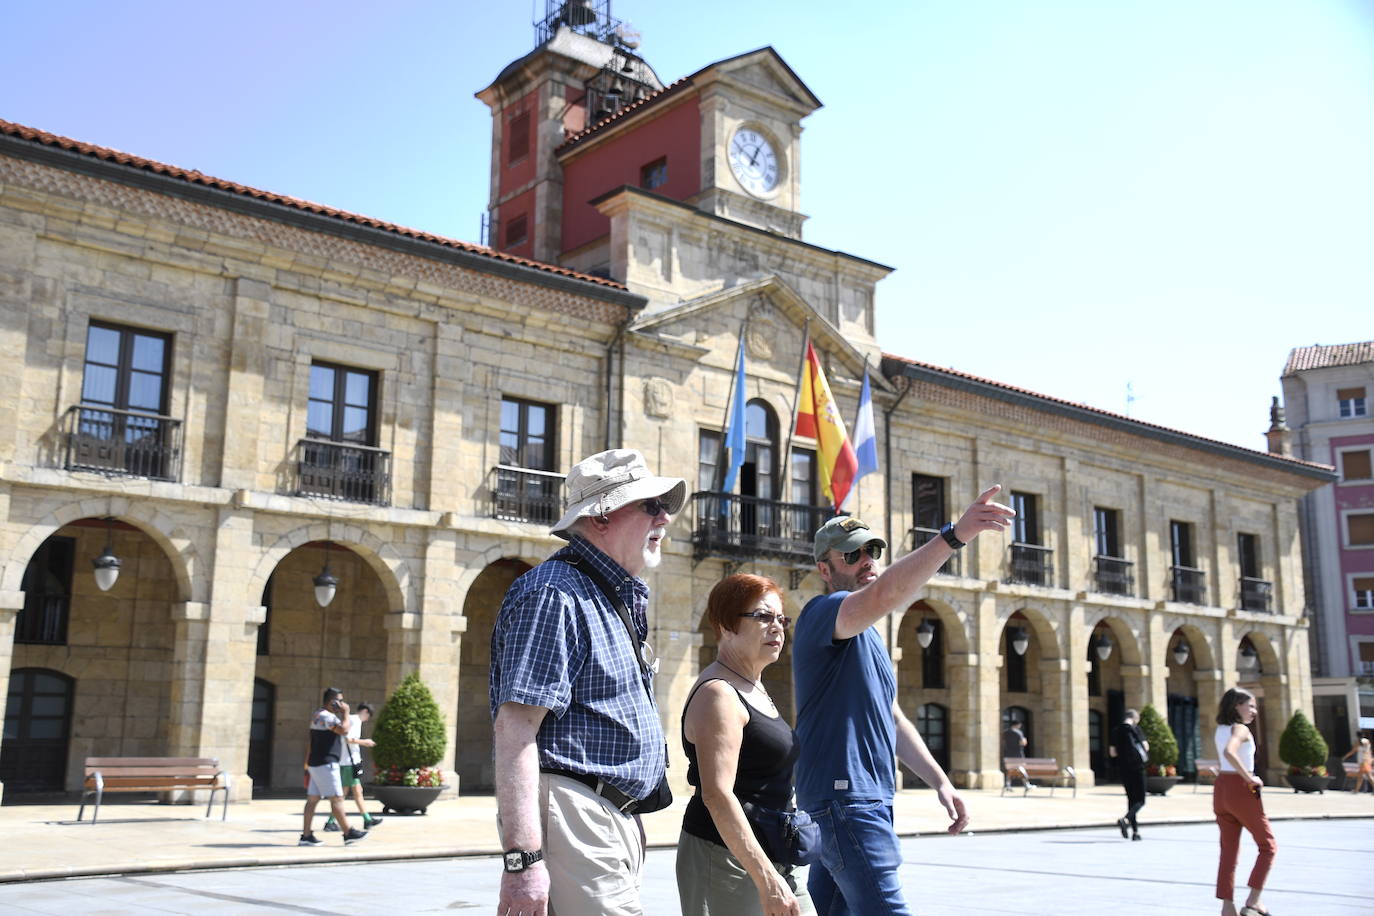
595,854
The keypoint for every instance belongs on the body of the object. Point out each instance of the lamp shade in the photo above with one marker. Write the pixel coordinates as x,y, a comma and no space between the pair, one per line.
1181,652
1249,658
925,633
106,569
1102,645
326,586
1019,640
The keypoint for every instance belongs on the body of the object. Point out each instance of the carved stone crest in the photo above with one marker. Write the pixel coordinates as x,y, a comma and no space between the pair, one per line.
658,398
759,338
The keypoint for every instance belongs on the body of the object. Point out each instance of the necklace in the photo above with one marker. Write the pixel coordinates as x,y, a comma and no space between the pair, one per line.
758,684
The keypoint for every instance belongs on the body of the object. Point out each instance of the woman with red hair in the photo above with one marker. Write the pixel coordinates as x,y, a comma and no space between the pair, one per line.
739,751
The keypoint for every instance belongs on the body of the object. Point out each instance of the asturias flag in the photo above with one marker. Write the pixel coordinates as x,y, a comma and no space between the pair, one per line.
818,417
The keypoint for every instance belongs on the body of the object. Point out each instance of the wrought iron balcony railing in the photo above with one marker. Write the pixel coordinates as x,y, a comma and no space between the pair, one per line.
1256,594
340,470
921,536
122,442
1189,585
1030,564
1113,576
733,526
525,495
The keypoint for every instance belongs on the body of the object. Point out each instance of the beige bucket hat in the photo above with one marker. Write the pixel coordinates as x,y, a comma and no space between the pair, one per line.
608,480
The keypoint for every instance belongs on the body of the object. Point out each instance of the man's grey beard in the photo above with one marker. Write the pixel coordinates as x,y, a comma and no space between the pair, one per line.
654,557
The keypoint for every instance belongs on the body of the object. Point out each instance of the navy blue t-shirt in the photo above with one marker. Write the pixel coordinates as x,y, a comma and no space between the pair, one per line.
845,690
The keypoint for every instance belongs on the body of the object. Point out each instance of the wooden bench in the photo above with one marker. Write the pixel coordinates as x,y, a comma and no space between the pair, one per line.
153,774
1028,768
1206,767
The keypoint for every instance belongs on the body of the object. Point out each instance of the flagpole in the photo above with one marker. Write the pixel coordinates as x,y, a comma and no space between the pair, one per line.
792,426
729,401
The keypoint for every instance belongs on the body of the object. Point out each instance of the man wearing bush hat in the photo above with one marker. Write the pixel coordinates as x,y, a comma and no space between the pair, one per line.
579,749
848,722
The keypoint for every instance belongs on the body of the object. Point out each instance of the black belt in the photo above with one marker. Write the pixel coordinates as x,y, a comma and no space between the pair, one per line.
622,802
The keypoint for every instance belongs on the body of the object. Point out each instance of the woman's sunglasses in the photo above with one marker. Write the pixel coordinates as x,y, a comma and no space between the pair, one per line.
767,619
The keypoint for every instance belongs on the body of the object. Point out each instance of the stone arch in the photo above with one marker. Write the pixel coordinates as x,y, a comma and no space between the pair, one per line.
1043,627
1045,690
472,757
192,581
391,568
1270,661
1201,648
1127,641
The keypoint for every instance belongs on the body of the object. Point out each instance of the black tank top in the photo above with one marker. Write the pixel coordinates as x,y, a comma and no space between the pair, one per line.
768,752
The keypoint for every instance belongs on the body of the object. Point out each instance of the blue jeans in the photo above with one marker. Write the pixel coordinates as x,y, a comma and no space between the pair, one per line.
860,855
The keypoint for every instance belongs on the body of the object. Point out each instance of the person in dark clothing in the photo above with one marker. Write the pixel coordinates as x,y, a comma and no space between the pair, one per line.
1132,753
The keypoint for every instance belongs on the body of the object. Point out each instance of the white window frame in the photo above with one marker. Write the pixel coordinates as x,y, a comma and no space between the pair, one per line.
1353,408
1353,598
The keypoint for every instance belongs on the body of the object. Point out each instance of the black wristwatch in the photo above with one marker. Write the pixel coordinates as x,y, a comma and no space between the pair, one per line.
947,533
515,860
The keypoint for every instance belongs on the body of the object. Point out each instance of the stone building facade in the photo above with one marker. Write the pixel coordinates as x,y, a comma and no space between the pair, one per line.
234,391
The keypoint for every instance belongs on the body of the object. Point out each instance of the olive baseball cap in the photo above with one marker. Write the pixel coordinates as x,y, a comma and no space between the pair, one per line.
844,533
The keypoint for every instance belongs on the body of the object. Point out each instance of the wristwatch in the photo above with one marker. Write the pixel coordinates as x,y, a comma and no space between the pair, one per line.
515,860
947,533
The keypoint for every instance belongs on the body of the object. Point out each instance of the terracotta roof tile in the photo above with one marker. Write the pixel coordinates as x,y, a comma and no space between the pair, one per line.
1318,356
195,177
1106,414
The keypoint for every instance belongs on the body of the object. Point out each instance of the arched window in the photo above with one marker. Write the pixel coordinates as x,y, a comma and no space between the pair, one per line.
38,719
759,475
260,732
1097,746
932,721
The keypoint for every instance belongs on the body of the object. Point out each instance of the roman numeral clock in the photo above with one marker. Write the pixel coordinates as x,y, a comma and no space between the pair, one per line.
754,162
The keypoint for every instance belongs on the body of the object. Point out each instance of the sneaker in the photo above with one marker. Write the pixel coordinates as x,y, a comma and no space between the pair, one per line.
354,835
331,827
1121,824
309,839
371,822
1135,836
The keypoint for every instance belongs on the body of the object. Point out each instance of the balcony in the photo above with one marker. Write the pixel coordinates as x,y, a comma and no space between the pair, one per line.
1030,564
1256,595
343,471
1113,576
747,527
1189,585
122,442
922,536
525,495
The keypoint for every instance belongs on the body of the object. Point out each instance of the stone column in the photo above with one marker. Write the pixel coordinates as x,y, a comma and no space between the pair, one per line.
1078,753
965,720
985,723
1136,684
10,605
1279,693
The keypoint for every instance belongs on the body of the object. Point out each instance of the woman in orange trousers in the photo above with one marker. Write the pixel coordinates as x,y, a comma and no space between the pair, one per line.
1236,802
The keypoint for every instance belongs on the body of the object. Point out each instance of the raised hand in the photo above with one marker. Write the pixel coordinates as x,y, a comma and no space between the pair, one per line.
983,515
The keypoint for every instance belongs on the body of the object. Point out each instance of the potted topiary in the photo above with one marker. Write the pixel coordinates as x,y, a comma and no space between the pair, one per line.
410,741
1302,747
1161,772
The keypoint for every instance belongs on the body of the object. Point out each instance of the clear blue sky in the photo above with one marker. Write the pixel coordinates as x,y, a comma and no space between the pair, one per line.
1077,196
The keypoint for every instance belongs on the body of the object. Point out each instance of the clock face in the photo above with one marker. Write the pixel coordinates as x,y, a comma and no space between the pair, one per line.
754,162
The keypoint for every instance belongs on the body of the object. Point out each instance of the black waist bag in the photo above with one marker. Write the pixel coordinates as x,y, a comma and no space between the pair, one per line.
787,837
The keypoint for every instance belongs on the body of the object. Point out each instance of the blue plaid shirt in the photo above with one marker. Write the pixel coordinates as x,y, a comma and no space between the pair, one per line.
558,643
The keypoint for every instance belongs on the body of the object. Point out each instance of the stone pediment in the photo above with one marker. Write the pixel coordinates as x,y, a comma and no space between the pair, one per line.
774,319
767,74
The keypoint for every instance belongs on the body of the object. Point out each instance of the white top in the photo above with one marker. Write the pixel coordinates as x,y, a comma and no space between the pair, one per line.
355,731
1246,752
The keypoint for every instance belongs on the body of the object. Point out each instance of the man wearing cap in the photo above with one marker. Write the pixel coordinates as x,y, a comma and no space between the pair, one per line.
578,745
848,721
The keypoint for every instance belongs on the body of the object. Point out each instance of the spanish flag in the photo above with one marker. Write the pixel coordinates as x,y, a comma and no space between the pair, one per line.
818,417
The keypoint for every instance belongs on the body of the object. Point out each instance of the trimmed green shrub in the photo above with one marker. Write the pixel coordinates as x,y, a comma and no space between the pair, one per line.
1302,747
409,736
1163,745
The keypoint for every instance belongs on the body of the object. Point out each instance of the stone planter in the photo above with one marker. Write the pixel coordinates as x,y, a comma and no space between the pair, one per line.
1160,785
1302,783
405,799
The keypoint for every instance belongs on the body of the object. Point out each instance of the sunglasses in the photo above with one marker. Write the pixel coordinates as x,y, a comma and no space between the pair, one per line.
654,508
767,619
873,550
